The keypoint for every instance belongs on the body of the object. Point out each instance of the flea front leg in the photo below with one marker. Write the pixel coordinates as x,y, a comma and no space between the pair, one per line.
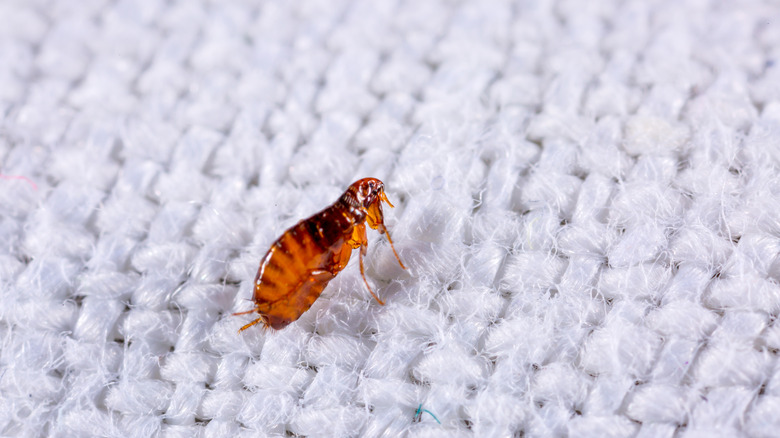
359,240
376,220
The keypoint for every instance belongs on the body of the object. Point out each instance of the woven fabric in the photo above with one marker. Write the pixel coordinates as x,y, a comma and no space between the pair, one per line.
586,198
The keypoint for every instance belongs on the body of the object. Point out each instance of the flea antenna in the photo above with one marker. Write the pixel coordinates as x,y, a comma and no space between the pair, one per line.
383,197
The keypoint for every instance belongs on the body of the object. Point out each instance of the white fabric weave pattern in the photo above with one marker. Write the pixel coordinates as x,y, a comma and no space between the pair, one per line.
587,198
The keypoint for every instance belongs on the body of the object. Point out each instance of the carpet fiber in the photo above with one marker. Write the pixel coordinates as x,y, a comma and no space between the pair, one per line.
587,198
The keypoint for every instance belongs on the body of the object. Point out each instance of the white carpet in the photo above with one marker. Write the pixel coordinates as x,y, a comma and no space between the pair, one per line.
586,193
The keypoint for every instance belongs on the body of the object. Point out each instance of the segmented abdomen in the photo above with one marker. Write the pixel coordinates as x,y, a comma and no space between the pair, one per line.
300,264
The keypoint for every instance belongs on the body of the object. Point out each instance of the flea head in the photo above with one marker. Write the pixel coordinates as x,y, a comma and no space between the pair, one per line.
369,191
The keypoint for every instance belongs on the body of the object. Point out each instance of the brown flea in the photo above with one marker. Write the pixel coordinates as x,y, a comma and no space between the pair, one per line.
306,257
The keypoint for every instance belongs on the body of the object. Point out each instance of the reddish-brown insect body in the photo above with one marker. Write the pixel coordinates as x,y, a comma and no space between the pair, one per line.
306,257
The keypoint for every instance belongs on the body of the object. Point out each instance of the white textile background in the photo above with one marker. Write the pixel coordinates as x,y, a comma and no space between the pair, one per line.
586,193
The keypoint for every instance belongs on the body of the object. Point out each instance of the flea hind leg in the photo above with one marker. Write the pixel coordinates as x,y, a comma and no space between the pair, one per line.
253,323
